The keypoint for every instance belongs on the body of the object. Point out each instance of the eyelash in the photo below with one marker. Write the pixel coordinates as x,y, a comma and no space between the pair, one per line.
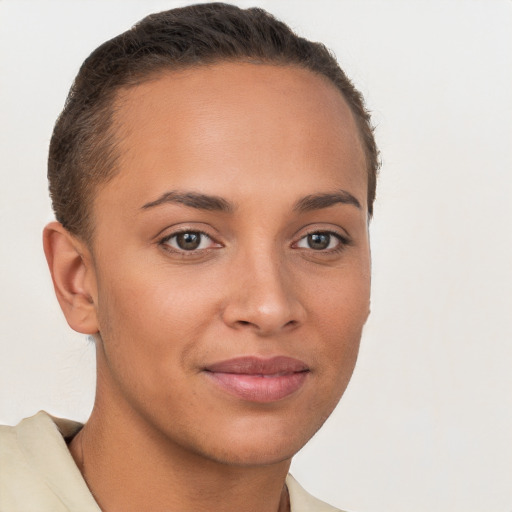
343,242
164,242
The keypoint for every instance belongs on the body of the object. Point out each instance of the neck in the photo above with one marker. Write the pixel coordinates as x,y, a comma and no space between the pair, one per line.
130,466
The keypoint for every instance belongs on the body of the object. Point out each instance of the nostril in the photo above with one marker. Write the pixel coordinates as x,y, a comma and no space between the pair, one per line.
291,324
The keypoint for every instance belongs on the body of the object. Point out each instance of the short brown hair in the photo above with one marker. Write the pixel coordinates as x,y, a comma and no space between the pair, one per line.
83,146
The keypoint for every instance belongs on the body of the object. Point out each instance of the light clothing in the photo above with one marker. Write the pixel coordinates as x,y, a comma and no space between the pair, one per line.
38,473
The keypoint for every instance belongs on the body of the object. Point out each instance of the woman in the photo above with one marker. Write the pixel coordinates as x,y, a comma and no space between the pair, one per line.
212,176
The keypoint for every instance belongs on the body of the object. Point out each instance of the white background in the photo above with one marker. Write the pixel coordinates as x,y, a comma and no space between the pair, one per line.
426,424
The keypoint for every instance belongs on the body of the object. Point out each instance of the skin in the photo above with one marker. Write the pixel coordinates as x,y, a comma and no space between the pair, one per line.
262,138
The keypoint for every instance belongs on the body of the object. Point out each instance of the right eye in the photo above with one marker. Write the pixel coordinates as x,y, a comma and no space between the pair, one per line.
189,241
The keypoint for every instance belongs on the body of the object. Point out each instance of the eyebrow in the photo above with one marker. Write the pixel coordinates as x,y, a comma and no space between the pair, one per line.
215,203
193,200
319,201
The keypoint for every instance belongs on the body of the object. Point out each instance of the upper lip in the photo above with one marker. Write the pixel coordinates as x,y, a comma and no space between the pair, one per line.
253,365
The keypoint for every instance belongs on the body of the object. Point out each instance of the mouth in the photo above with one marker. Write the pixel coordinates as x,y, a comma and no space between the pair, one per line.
258,379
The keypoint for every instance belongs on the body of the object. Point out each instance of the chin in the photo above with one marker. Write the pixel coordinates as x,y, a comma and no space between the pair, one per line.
259,443
251,454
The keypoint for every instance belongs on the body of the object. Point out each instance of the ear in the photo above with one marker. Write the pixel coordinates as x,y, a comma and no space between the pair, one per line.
73,277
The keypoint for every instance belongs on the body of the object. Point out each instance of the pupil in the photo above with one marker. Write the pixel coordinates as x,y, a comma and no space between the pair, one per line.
319,240
188,241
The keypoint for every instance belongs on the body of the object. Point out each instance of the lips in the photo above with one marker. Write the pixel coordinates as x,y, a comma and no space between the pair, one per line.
257,379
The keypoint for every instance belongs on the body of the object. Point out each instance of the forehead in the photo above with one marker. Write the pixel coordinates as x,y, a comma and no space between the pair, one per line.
211,121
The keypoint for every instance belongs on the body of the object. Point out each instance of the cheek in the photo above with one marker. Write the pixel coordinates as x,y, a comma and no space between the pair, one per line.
152,319
147,298
339,315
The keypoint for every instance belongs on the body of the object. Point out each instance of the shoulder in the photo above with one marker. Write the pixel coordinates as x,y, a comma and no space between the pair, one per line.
302,501
37,470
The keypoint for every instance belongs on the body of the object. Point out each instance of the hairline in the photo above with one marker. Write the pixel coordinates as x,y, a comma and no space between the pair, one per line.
112,102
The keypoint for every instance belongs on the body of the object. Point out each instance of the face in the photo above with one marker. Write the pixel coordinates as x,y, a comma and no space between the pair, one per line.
231,259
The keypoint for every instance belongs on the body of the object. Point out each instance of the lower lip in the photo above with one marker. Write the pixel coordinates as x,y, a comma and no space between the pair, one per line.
256,388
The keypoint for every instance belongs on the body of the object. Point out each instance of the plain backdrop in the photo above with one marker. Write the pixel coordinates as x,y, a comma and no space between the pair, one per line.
426,422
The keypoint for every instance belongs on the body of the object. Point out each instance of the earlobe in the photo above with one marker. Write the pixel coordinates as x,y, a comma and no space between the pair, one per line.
73,277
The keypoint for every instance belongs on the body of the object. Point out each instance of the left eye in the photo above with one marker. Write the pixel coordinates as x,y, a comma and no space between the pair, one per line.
319,241
189,241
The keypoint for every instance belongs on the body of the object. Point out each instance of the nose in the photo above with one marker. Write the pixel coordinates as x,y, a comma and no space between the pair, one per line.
262,296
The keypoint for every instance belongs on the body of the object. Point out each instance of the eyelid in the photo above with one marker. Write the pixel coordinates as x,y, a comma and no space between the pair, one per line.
321,227
343,238
184,226
176,231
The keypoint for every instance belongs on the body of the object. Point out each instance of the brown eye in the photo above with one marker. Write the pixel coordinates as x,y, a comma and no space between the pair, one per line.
189,241
319,241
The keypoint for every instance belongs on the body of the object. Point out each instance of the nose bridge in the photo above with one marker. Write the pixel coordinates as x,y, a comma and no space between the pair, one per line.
263,297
